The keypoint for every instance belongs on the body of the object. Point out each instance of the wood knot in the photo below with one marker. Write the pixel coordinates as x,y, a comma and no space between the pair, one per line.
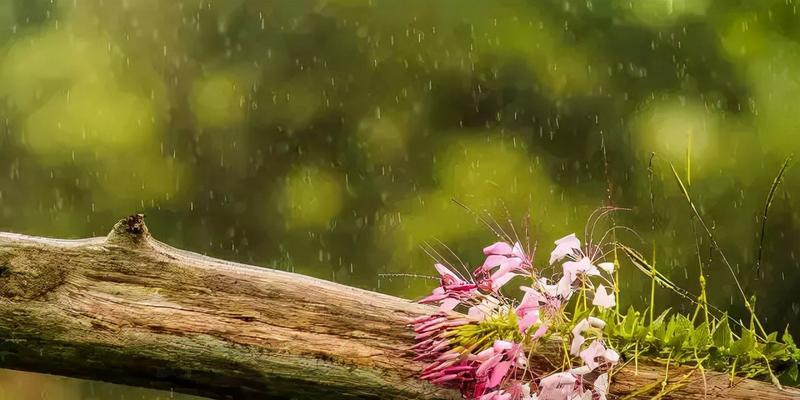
135,224
129,231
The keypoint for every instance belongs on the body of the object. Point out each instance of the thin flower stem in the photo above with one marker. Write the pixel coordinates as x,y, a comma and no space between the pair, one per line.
616,282
653,284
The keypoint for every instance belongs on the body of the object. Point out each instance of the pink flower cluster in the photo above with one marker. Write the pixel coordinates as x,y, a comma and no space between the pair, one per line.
477,376
495,367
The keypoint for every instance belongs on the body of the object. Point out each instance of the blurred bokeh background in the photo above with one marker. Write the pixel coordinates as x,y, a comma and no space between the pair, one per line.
328,137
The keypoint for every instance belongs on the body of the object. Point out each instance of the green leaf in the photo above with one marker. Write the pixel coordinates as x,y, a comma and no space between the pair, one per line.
787,338
744,345
678,330
792,373
630,321
701,336
722,333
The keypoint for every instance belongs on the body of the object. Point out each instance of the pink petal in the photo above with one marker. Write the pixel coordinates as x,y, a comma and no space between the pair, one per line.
517,251
476,313
499,248
448,304
571,269
444,271
488,396
532,296
445,378
558,379
541,331
435,296
582,266
580,371
528,320
497,284
502,345
499,373
485,354
488,364
492,261
510,264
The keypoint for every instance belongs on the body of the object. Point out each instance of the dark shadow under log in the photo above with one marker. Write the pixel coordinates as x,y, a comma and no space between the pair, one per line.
129,309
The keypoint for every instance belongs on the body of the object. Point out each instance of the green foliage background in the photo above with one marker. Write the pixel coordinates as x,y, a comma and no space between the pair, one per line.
327,137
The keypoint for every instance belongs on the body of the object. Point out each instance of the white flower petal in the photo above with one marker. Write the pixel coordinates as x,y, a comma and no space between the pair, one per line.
564,247
602,298
607,266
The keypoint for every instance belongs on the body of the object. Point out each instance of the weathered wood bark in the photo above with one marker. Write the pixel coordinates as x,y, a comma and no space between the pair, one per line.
129,309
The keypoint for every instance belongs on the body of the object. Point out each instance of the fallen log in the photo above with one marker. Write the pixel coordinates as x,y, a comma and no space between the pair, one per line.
129,309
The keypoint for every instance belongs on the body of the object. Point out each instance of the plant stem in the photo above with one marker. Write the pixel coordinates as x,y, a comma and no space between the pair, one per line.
653,284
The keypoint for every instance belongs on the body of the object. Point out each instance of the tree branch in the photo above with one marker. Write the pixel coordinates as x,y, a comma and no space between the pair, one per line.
129,309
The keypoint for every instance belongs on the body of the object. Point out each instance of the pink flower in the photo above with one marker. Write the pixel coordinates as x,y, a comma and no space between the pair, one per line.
452,282
503,262
565,247
528,308
452,290
602,298
499,372
432,340
535,304
497,364
448,367
528,319
498,248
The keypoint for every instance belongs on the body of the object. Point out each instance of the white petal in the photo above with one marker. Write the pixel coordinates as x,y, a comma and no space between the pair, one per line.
564,247
612,356
602,299
564,288
601,385
607,266
597,322
577,342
